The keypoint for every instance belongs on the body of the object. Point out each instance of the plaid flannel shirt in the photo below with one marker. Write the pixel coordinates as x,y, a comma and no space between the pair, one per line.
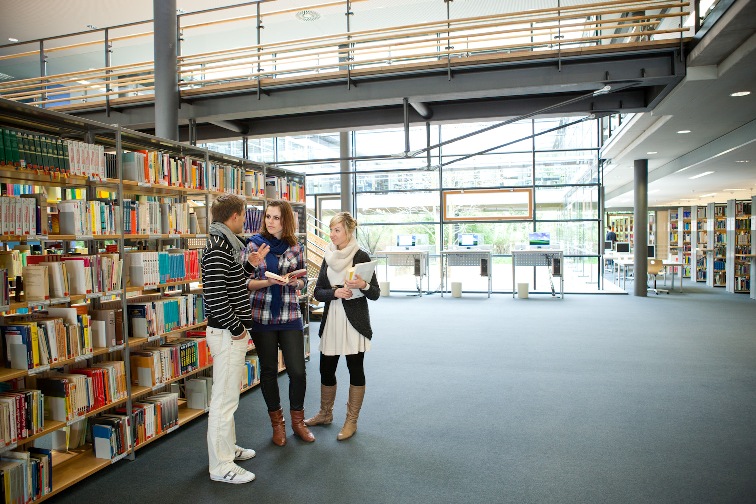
291,260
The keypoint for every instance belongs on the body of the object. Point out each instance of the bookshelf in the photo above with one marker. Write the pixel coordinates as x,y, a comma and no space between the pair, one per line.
624,227
739,249
717,230
700,243
753,252
128,212
681,237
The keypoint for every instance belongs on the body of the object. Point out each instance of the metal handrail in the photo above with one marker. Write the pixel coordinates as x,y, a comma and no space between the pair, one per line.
604,26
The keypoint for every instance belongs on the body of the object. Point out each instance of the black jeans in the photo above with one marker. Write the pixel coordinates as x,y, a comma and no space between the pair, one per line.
355,363
292,346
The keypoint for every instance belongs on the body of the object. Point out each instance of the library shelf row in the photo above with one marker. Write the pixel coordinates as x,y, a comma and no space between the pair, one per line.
75,464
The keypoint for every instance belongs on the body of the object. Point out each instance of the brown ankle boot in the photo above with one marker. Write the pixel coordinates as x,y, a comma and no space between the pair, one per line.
356,395
279,427
325,415
299,427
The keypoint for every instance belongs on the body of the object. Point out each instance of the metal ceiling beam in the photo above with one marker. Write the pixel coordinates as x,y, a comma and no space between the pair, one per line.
631,100
231,126
656,71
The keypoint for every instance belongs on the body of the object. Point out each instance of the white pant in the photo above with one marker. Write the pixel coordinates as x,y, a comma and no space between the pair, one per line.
228,364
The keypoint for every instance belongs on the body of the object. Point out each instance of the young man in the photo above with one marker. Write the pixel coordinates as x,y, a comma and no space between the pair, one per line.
229,317
611,235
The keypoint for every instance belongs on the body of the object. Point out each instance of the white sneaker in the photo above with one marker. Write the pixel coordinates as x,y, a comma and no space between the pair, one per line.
243,453
235,475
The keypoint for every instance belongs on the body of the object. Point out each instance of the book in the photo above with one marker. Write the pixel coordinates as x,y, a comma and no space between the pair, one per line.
365,271
36,282
288,276
196,394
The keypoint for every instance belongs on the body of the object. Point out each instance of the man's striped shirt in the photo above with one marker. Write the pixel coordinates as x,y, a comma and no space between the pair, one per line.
224,283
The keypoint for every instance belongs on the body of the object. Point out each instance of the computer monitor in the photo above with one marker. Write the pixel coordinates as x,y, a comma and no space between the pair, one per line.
608,245
622,247
469,239
652,251
406,240
539,239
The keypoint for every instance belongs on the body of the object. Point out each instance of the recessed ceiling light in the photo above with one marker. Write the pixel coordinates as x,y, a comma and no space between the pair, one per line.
701,175
707,195
652,152
733,189
13,39
682,132
742,161
740,93
307,15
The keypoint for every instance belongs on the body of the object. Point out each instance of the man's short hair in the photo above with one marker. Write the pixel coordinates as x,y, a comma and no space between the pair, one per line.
227,205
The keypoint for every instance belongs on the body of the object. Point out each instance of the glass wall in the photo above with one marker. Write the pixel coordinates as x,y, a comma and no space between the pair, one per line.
555,159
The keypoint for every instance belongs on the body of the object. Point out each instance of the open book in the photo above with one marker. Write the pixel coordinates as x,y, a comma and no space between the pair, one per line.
288,276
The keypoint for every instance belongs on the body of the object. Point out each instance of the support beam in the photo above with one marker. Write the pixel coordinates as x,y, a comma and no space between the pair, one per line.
166,69
231,126
640,228
346,177
422,109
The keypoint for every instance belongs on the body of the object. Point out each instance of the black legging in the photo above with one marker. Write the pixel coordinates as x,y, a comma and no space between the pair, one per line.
291,343
355,363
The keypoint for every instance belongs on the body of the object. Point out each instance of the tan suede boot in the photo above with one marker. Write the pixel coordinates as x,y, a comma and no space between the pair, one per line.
356,395
299,427
279,427
325,415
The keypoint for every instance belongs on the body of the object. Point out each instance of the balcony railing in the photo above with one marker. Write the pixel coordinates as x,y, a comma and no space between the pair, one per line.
589,28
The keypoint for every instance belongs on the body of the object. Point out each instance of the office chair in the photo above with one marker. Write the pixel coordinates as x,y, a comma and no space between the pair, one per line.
655,266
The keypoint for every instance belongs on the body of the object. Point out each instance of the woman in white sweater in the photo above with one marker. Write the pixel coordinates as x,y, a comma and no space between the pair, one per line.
345,326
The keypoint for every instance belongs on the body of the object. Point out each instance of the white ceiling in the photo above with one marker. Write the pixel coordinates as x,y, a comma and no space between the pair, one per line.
724,62
722,127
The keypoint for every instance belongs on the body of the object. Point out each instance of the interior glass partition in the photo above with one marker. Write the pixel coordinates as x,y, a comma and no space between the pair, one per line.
555,160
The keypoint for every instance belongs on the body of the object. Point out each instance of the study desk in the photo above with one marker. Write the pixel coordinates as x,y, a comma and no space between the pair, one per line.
416,259
540,257
624,264
479,258
674,265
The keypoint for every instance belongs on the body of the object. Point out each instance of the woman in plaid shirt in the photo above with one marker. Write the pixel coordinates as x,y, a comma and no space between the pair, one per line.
278,320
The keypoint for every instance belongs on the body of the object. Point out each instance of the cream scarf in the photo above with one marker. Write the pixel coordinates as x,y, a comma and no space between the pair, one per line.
339,261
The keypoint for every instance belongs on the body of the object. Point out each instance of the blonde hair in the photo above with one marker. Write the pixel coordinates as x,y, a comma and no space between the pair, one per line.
347,220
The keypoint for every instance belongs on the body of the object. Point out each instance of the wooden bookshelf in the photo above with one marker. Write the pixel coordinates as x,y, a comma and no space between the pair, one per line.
75,465
74,470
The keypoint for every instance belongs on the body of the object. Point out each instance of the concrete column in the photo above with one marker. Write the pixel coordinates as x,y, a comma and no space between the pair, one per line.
166,69
640,227
346,177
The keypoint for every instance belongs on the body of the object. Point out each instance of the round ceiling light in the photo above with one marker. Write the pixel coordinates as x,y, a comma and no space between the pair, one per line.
307,15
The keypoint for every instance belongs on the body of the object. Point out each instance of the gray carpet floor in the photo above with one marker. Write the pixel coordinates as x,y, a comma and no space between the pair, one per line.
590,399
